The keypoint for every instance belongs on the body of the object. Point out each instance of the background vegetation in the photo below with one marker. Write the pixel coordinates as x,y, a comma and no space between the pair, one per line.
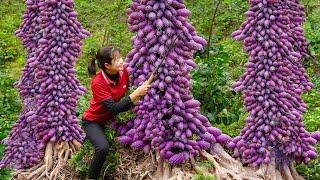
218,66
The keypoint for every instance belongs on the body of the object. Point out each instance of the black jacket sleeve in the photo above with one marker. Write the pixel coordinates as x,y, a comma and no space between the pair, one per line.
116,107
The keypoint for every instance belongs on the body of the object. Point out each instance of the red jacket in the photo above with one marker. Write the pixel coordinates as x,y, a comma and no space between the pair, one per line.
102,89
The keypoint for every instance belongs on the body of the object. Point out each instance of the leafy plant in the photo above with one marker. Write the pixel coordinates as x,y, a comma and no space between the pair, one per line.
210,85
10,107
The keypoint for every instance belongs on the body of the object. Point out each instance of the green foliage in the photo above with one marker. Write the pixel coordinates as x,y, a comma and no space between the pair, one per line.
5,174
312,123
201,9
8,22
10,108
234,128
229,18
125,116
82,105
212,78
312,33
112,24
312,27
9,104
80,161
200,176
204,166
211,86
312,116
312,170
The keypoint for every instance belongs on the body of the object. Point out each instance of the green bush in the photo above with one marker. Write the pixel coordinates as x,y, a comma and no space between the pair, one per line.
9,22
80,161
10,108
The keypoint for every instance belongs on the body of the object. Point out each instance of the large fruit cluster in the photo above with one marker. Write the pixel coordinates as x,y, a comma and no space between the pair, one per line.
167,119
273,84
48,87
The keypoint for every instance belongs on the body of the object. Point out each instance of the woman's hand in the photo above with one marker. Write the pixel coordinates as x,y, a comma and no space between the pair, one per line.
136,95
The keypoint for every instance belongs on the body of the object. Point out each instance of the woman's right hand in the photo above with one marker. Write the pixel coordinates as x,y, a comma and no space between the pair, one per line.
136,95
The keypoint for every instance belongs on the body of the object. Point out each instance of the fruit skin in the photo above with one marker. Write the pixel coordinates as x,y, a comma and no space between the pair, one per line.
48,87
167,119
272,85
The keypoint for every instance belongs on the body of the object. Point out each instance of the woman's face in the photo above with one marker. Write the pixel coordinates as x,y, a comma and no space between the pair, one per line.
116,65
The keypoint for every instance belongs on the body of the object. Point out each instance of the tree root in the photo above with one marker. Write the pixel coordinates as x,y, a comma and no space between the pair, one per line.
227,168
294,173
167,172
269,172
286,173
54,163
134,165
138,166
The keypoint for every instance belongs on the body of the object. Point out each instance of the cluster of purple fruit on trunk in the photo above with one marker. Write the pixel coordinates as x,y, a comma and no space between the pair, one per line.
273,84
167,119
49,90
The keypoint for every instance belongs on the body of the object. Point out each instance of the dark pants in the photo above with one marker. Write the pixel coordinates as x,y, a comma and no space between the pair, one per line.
94,133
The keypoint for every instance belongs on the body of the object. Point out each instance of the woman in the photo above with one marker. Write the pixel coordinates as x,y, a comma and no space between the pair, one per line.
108,99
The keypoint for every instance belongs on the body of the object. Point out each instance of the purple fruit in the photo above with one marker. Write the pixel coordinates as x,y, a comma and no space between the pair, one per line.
272,85
172,116
48,87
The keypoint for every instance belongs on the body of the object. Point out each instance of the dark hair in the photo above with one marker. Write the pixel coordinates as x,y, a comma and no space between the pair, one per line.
104,55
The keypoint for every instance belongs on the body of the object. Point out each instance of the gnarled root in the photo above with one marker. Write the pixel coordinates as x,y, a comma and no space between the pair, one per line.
285,172
166,172
269,172
53,164
137,165
294,173
153,167
134,165
226,167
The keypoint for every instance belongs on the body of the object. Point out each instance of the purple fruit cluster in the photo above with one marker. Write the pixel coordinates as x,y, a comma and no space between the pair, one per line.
48,87
273,84
167,118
